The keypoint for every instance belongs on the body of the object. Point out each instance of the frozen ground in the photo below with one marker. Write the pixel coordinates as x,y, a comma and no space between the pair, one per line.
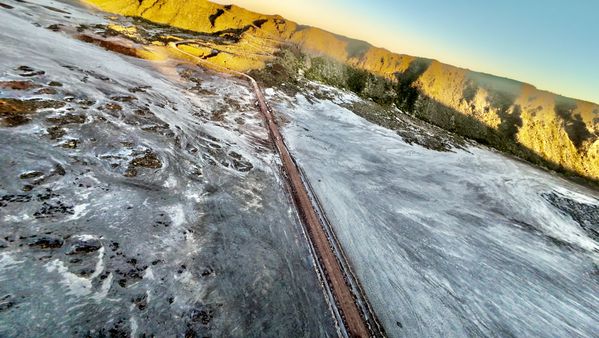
138,198
450,244
143,198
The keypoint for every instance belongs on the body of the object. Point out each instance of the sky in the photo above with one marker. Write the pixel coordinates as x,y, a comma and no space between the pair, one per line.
552,44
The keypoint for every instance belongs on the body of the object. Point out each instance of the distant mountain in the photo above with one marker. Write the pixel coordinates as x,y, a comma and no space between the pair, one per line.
548,129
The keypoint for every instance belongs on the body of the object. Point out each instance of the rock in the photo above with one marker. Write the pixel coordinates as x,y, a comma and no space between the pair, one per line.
6,303
53,209
211,188
70,144
208,271
202,315
239,163
54,27
84,246
55,132
31,174
86,272
140,301
59,170
47,242
25,69
586,215
16,198
29,72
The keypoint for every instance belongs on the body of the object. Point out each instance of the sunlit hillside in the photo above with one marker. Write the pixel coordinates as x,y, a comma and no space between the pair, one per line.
542,127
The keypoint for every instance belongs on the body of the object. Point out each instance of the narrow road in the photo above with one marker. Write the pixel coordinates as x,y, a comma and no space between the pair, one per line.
357,318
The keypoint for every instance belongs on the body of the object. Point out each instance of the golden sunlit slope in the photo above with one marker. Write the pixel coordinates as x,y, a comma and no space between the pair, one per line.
191,15
514,117
560,130
206,17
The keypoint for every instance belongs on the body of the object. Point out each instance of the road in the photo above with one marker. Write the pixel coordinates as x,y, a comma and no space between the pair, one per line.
351,305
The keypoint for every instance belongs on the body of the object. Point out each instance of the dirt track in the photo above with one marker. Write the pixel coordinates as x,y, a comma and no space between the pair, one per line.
354,321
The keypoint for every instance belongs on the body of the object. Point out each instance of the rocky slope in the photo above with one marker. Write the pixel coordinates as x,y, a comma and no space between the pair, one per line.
545,128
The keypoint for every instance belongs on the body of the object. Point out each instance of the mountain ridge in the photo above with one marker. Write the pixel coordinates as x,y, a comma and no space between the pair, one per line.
513,116
112,6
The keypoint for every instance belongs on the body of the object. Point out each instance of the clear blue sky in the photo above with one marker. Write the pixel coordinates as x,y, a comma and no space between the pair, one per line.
553,44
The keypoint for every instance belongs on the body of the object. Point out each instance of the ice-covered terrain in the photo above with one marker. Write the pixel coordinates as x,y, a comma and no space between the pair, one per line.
144,198
450,244
138,198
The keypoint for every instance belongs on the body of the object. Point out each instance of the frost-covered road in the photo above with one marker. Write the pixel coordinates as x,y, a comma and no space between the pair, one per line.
450,244
138,198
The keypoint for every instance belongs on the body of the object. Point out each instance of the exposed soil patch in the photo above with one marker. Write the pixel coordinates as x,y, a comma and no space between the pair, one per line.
218,116
149,161
113,107
15,112
67,119
56,132
47,91
123,98
110,45
18,85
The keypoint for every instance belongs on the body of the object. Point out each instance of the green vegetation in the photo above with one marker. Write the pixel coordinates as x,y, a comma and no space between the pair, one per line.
327,71
356,79
407,94
292,67
359,81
